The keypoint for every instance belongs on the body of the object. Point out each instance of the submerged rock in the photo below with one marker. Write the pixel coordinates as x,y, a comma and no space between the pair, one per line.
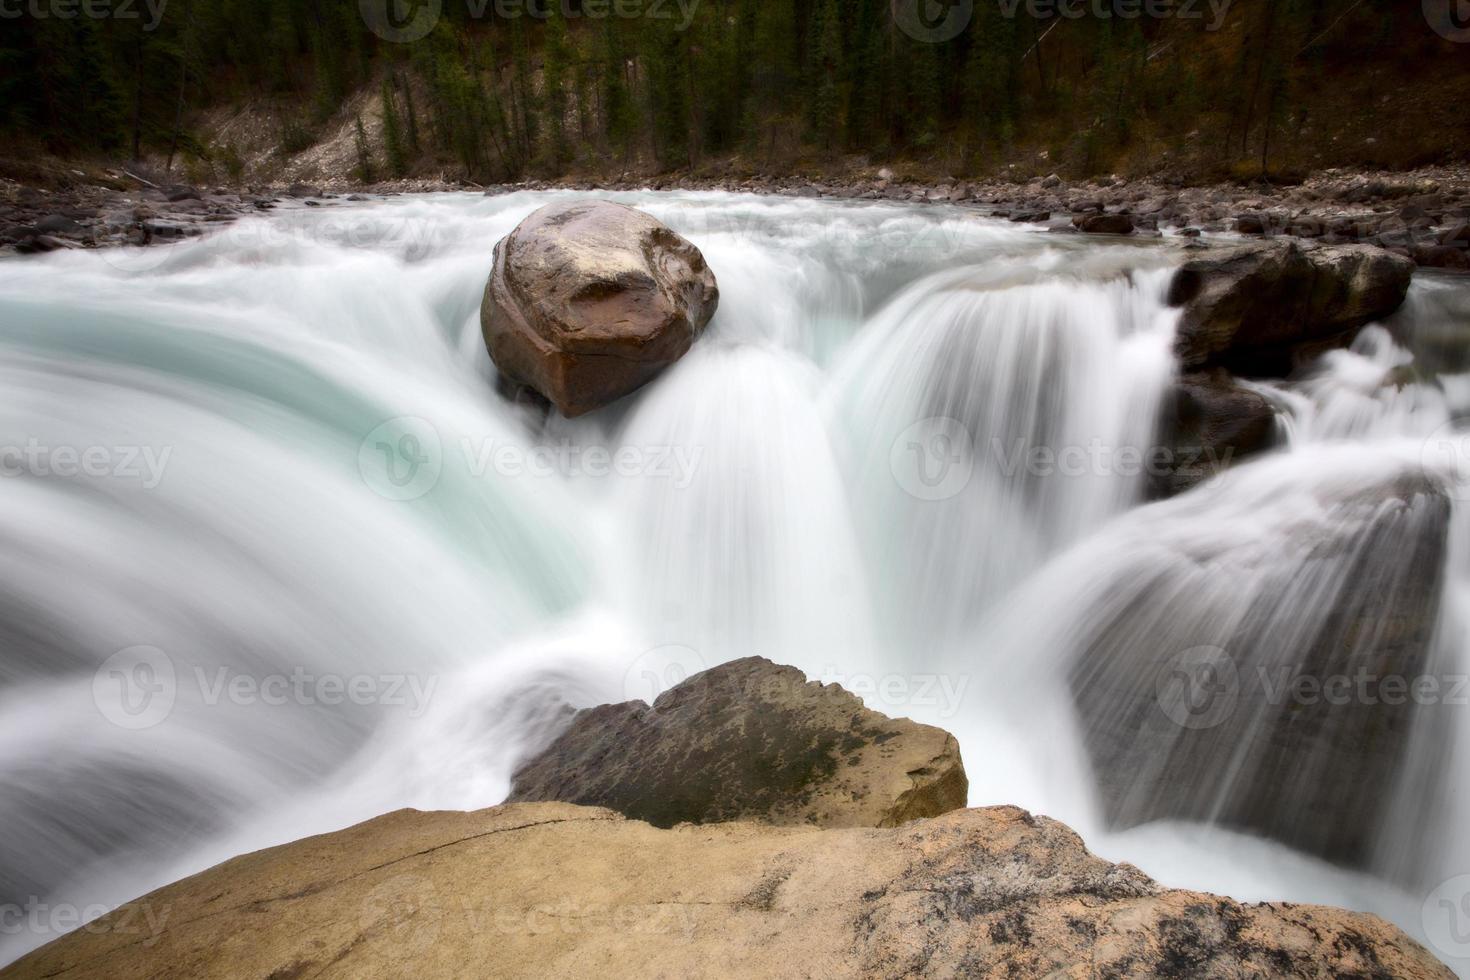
550,889
589,300
1210,422
1265,680
1262,310
750,740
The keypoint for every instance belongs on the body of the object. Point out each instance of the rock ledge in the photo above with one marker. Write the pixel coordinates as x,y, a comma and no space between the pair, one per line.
549,889
750,740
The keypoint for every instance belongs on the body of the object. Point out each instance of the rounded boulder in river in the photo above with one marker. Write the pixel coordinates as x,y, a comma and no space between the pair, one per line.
590,300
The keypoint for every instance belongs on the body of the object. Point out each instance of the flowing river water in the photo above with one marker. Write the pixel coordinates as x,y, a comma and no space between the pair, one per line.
277,557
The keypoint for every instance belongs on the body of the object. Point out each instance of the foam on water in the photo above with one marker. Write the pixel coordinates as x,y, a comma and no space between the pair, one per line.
862,469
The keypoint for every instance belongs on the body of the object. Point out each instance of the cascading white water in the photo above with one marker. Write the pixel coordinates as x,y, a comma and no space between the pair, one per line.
950,401
903,457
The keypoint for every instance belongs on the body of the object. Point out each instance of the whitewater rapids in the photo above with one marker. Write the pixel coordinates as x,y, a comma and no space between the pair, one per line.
277,558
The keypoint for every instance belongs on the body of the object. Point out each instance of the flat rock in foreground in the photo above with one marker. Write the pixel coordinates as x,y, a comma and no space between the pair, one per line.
553,890
589,300
750,740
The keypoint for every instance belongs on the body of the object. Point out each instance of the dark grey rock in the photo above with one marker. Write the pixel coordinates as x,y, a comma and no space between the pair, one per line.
749,740
1258,310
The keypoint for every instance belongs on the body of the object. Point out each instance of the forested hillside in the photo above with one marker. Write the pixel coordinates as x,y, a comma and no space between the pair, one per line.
497,91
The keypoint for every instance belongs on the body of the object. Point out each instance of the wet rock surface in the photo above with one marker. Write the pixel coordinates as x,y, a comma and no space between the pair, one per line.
1210,422
1262,310
750,740
33,220
1294,727
550,889
589,300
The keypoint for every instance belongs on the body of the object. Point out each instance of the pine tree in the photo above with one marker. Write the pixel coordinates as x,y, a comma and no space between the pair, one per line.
826,104
665,93
364,155
619,121
524,95
393,149
413,121
554,82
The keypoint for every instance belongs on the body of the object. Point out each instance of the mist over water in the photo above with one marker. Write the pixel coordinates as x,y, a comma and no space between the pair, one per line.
277,558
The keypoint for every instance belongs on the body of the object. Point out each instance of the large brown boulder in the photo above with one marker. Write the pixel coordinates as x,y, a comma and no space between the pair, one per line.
589,300
1262,310
554,890
750,740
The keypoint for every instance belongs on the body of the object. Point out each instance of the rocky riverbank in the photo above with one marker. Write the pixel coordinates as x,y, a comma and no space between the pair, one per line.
1423,215
95,216
557,889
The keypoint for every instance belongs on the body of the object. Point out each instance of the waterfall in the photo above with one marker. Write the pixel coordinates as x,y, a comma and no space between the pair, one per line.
987,417
909,455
